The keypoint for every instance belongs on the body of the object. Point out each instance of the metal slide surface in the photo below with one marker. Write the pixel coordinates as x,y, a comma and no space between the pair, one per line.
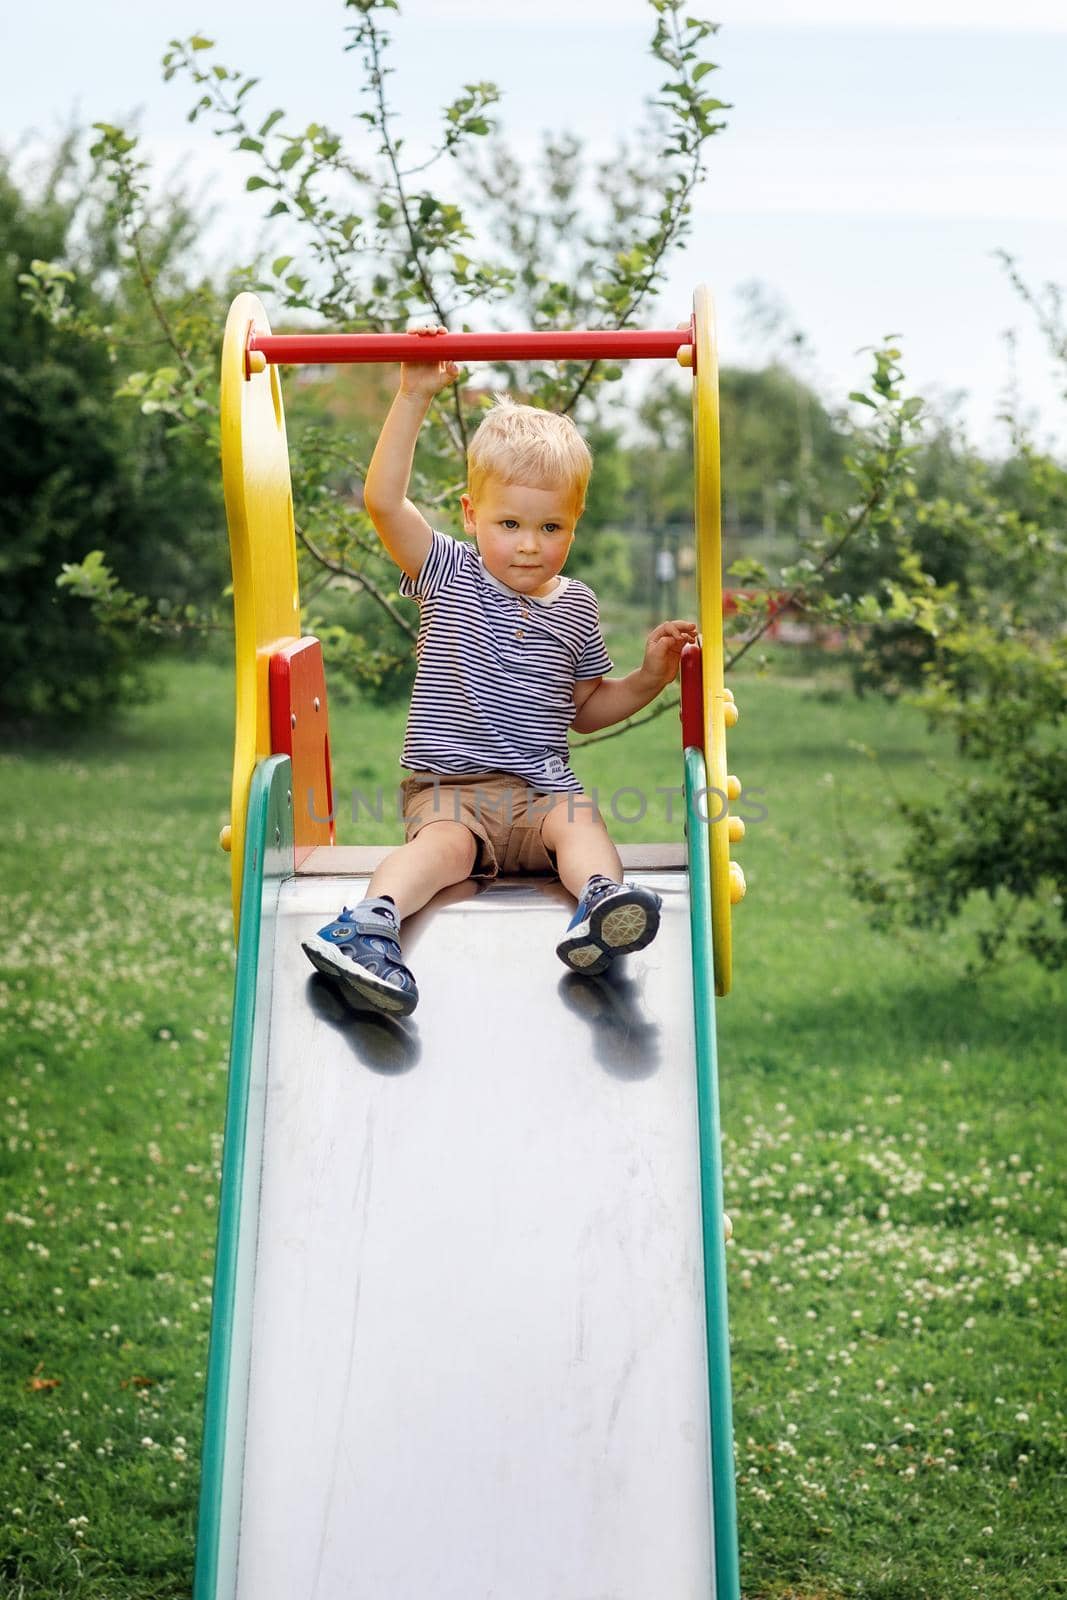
478,1363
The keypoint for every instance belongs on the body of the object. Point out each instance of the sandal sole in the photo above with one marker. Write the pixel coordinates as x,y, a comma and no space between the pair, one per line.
614,930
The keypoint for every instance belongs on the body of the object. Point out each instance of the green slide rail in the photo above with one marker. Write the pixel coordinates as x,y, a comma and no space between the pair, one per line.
268,861
723,1489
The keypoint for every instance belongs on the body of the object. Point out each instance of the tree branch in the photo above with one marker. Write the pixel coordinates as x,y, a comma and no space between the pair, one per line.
389,151
359,578
795,597
658,710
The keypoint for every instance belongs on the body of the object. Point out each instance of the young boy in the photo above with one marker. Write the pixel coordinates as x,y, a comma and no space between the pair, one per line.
510,654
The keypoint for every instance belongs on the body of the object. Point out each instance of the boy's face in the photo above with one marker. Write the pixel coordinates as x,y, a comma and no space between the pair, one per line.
524,534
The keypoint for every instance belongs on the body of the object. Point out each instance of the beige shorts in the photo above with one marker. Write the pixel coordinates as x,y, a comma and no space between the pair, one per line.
504,813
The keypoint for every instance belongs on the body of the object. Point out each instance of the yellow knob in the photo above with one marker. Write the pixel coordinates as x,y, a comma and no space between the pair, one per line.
737,884
735,829
257,361
730,714
733,788
727,694
226,837
727,1226
685,356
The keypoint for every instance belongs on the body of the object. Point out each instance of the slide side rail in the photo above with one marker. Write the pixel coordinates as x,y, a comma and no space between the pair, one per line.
723,1489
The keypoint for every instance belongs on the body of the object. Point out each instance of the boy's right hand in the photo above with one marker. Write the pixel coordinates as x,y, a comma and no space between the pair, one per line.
425,375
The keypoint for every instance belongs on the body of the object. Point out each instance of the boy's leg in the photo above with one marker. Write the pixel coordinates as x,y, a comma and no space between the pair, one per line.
576,833
361,948
612,917
441,853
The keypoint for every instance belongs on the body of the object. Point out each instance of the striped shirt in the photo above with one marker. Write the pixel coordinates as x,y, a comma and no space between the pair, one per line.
494,687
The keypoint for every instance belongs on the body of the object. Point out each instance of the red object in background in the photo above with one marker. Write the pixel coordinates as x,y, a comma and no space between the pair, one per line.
692,709
300,729
321,349
777,604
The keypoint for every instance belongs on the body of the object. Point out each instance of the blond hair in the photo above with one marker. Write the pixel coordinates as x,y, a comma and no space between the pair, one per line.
523,444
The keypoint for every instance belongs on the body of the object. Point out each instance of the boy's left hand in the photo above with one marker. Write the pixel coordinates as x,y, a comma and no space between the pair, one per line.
663,650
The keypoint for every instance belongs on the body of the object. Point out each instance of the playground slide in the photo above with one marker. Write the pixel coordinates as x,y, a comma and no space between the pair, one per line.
459,1347
469,1332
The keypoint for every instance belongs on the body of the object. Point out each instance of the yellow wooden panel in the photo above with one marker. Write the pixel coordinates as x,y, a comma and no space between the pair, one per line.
708,517
259,511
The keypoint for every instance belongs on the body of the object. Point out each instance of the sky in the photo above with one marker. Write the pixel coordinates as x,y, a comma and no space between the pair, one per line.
876,155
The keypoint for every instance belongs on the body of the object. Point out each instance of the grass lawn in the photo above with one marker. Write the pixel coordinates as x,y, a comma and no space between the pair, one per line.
894,1145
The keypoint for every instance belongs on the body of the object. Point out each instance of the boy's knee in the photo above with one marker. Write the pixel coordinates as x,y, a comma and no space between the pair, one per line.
451,842
572,811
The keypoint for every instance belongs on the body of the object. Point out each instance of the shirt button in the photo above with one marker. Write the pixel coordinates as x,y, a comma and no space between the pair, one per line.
518,633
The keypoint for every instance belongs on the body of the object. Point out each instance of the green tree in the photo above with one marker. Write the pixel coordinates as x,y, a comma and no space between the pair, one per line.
976,579
76,472
371,245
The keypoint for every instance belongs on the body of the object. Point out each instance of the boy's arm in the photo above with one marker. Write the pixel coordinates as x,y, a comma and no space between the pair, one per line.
400,524
615,699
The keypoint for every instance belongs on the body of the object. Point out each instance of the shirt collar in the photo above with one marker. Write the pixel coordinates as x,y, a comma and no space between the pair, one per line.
542,599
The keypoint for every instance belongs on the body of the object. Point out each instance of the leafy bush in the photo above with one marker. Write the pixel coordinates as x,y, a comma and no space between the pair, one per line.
77,472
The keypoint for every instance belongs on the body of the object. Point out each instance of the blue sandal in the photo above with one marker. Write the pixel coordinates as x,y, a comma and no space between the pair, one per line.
363,956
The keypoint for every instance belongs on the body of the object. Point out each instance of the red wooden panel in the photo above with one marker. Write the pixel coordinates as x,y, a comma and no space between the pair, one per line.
300,729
